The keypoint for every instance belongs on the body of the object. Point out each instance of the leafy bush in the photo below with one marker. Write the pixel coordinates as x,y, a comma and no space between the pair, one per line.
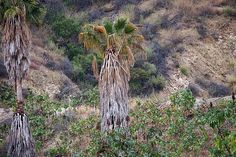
89,97
183,99
57,151
152,132
7,96
65,35
73,50
65,27
167,132
83,69
145,79
222,121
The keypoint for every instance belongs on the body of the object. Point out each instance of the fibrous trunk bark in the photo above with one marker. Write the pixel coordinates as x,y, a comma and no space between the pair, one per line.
16,44
20,143
113,87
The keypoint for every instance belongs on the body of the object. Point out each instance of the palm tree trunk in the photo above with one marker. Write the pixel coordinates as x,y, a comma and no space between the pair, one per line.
113,87
16,46
21,143
19,97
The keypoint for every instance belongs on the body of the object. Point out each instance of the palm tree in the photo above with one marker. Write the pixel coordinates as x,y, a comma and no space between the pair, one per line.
16,45
116,43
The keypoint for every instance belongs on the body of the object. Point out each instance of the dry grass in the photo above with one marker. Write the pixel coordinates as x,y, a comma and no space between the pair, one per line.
170,37
84,111
127,11
193,8
188,7
155,18
231,79
148,5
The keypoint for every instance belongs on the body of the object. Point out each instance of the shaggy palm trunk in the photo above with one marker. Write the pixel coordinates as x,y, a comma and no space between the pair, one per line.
16,45
113,87
20,143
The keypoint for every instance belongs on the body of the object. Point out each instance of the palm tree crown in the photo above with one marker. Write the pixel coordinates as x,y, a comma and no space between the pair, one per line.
34,11
120,34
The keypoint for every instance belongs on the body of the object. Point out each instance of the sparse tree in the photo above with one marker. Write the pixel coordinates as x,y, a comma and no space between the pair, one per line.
116,42
16,45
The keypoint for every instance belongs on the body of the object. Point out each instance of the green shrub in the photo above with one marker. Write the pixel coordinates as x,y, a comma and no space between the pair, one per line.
184,70
183,98
7,95
57,151
65,27
224,137
145,79
229,11
73,50
155,132
82,66
158,82
89,97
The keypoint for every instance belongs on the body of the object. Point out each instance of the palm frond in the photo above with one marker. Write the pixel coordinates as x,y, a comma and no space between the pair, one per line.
108,26
92,38
130,56
121,35
35,12
12,12
119,24
130,28
95,68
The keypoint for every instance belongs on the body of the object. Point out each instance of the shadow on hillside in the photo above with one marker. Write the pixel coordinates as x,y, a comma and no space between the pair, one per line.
214,89
3,71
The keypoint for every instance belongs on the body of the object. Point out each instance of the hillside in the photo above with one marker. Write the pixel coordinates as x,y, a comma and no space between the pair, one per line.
185,46
188,44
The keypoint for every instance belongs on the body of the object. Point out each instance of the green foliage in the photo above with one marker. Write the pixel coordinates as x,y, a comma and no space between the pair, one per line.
65,31
145,79
83,69
7,96
108,26
222,121
79,128
65,27
57,151
120,33
184,70
152,132
119,25
3,129
183,98
35,12
91,96
168,132
73,50
229,11
157,82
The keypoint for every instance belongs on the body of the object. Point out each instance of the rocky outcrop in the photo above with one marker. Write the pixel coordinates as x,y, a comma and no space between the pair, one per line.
6,116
